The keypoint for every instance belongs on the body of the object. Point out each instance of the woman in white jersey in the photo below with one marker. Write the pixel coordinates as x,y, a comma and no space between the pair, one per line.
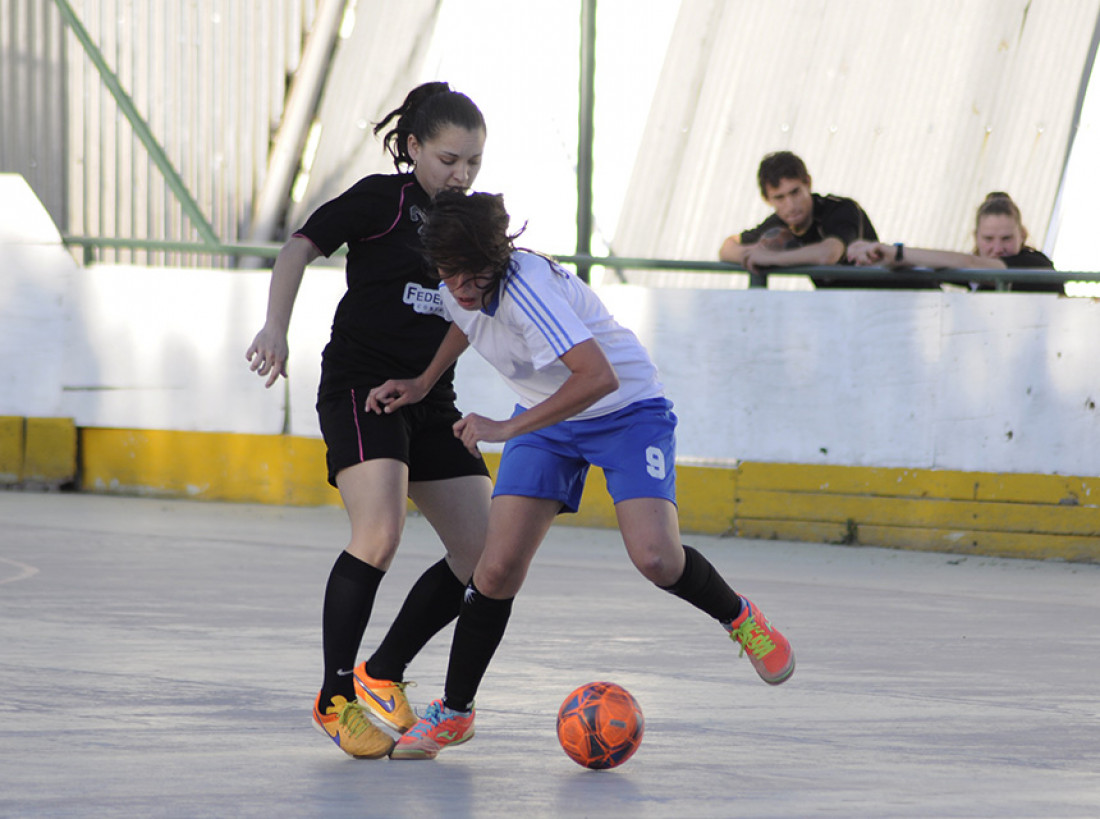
589,394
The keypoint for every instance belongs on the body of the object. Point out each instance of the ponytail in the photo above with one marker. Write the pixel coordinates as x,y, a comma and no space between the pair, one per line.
425,112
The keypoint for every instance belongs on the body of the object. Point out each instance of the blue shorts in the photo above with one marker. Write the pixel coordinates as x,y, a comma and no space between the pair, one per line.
635,447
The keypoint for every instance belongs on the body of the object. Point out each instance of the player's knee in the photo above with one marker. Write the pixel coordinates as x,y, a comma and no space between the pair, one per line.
658,567
375,547
461,565
462,558
498,580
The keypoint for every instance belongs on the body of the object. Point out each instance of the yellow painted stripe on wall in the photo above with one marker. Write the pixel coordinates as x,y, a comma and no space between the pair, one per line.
925,512
11,448
49,456
971,513
211,466
955,541
920,483
37,451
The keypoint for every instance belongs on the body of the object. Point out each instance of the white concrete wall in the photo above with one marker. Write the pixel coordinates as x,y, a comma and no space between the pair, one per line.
36,277
996,382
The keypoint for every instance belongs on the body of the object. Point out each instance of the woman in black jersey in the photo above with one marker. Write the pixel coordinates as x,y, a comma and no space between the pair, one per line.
1000,243
388,324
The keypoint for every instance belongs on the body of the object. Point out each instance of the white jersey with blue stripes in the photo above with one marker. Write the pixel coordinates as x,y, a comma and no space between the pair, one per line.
539,313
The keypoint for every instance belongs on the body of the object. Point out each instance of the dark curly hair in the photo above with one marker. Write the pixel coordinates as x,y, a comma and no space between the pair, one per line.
776,167
468,233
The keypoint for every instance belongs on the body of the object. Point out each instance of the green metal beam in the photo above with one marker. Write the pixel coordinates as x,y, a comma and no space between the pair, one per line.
141,128
585,133
873,275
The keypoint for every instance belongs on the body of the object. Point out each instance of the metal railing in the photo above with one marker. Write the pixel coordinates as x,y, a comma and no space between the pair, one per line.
234,249
876,277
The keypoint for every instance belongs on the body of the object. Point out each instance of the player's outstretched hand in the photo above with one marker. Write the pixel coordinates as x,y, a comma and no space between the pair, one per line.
397,392
758,255
864,253
268,355
474,428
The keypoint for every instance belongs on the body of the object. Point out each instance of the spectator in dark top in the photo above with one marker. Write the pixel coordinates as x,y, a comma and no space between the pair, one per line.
1000,242
806,228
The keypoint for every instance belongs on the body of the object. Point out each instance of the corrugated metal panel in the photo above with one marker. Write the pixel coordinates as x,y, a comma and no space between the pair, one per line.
209,77
370,76
917,110
33,139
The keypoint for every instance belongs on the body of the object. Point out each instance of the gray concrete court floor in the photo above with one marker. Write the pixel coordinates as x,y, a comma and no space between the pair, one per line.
159,658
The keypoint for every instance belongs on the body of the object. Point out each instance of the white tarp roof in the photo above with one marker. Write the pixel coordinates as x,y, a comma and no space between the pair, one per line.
917,110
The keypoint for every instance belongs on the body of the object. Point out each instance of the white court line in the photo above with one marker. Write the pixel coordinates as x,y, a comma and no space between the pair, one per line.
25,571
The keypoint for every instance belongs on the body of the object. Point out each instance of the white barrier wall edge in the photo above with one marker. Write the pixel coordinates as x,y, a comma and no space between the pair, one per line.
998,382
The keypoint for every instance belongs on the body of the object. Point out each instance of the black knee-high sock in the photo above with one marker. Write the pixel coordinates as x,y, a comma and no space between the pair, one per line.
704,588
349,598
431,604
481,624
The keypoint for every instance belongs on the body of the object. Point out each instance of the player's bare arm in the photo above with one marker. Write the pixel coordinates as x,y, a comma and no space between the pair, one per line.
828,251
732,250
269,351
879,253
397,392
591,378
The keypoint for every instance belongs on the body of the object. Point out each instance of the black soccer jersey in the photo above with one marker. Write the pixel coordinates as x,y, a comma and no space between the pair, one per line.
389,322
833,217
1029,258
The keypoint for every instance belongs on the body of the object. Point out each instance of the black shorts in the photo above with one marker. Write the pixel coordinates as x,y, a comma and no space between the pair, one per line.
418,435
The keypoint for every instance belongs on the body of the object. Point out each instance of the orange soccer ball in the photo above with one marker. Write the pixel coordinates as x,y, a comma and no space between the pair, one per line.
600,725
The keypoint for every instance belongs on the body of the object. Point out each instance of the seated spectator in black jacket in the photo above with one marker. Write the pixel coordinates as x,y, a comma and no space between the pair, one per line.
1000,242
806,228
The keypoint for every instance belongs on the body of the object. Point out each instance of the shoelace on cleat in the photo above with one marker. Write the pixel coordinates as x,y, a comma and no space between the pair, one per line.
353,718
386,684
758,642
432,717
